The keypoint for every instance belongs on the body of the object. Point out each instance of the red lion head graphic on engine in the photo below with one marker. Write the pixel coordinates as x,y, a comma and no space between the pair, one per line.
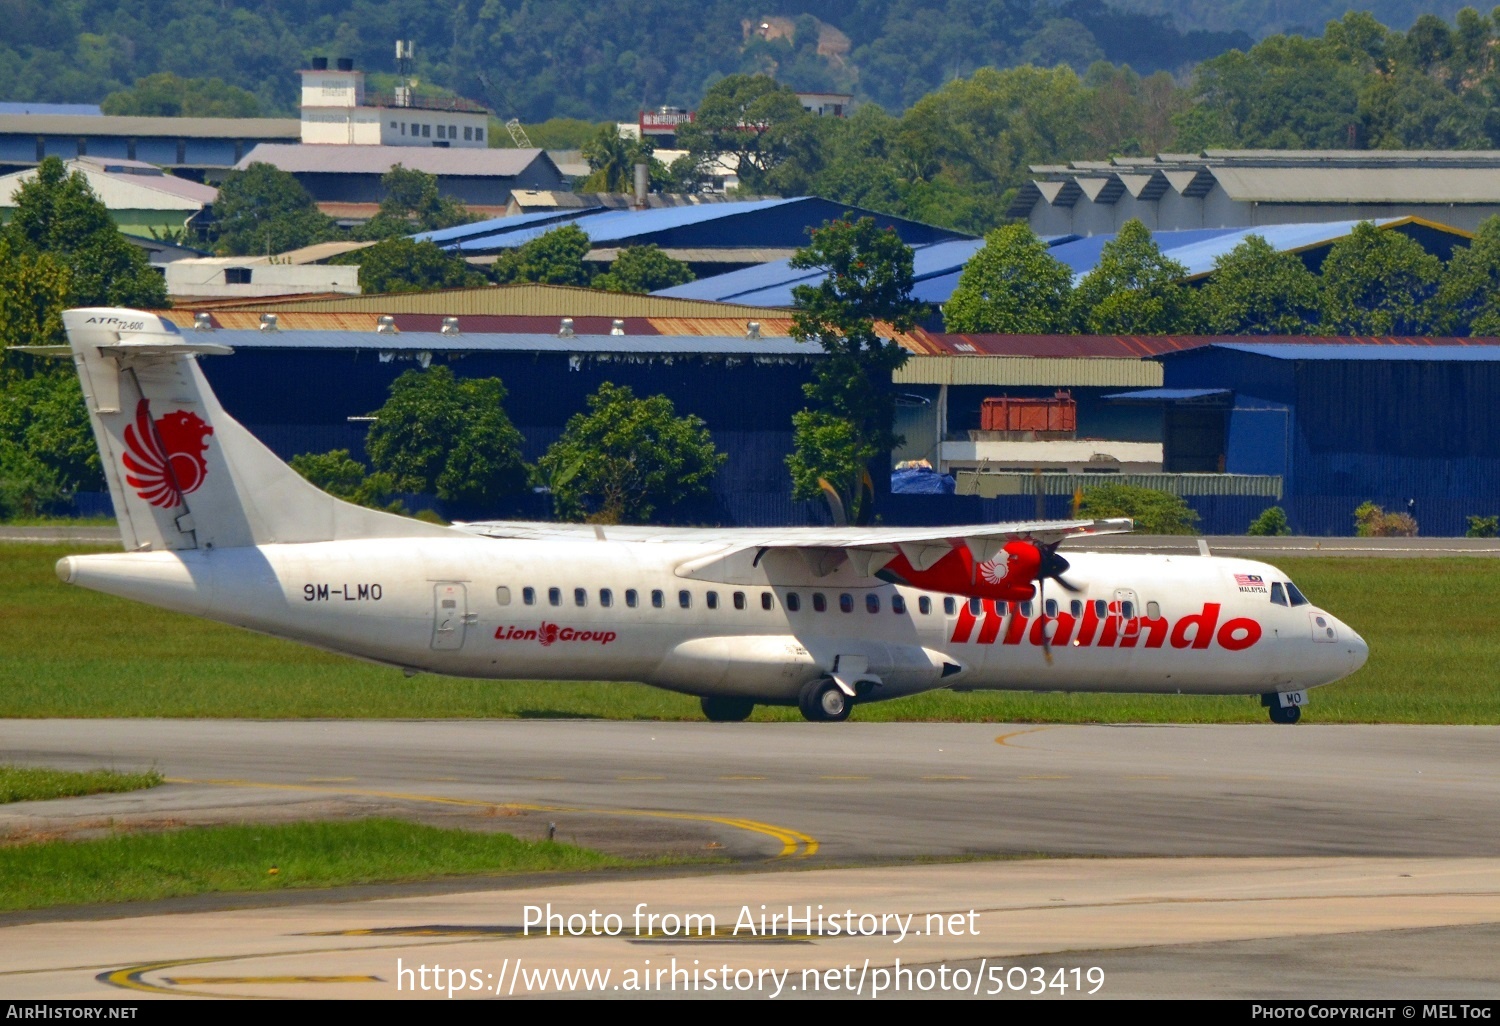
164,460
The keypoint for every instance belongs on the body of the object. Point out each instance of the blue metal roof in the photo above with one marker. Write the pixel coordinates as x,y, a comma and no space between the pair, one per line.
770,284
503,225
71,109
1170,394
1081,255
613,226
1344,351
436,342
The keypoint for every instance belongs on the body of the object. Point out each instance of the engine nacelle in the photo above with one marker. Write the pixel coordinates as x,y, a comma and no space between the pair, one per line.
1008,577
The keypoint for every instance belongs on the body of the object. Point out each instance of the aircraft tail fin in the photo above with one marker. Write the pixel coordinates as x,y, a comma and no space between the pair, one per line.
183,474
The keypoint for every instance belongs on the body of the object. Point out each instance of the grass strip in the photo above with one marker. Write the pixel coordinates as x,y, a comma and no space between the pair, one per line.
74,653
144,866
32,784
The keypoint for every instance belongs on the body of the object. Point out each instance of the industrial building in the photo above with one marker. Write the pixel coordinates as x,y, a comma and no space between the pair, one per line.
345,180
198,148
711,238
1341,424
143,200
1257,188
327,382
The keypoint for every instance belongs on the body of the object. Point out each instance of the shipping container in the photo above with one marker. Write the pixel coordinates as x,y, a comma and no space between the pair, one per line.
1055,417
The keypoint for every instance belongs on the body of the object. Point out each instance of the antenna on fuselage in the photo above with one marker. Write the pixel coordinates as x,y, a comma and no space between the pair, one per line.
1203,547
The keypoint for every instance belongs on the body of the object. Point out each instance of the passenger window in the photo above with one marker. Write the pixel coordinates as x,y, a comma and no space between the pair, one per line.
1278,595
793,602
502,595
632,599
1127,610
658,599
924,605
846,602
872,602
766,601
1101,608
1025,608
820,604
898,605
712,598
1298,599
976,605
580,596
1049,607
685,599
554,596
1076,608
739,600
528,596
950,605
1153,610
606,597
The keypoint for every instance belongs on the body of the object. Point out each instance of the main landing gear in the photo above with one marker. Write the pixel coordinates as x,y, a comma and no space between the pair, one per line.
823,701
726,708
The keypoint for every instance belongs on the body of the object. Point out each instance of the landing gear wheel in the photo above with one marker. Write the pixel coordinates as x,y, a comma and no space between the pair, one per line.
726,708
823,701
1285,714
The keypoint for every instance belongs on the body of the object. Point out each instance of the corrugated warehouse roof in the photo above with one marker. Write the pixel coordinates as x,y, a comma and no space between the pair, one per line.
1359,184
377,160
503,225
1324,351
125,190
173,128
764,223
510,300
435,342
1021,370
771,284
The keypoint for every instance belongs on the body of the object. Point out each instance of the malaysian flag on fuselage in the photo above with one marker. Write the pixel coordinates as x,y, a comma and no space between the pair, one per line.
1249,580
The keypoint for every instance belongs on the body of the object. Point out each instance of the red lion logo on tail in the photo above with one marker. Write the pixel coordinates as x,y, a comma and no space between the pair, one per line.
165,460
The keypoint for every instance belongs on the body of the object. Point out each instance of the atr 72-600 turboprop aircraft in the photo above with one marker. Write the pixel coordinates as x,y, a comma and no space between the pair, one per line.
823,618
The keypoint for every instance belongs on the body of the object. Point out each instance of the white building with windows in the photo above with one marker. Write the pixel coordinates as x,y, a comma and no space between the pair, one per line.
336,109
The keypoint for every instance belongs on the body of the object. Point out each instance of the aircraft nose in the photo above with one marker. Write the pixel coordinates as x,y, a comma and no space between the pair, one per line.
1357,650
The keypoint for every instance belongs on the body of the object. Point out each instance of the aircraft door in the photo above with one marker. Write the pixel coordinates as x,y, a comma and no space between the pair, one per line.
1129,607
450,616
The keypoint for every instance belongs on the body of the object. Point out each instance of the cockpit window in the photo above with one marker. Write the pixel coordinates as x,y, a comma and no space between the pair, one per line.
1278,595
1298,599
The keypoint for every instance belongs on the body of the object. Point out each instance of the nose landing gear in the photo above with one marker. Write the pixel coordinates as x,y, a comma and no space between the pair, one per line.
1284,708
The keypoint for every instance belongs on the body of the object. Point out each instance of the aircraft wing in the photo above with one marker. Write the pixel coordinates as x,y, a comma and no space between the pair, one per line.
822,549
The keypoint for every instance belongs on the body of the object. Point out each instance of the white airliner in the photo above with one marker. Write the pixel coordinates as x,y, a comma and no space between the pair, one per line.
215,525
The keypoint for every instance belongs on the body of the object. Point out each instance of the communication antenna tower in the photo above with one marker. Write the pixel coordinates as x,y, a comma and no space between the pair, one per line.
518,134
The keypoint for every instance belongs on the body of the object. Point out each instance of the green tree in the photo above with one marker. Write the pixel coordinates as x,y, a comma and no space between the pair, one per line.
57,215
264,210
47,449
643,269
1012,285
343,476
412,204
613,158
553,258
1257,290
165,95
440,435
848,429
34,291
627,458
1271,523
401,265
751,117
1469,293
1380,283
1154,512
1135,289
